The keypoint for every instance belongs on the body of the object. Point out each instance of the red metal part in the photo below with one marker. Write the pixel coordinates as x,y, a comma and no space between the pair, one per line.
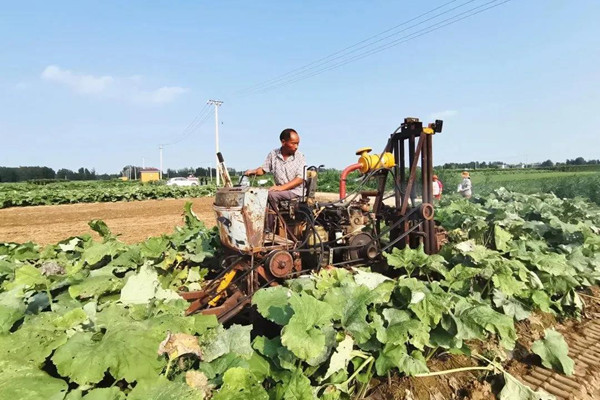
345,173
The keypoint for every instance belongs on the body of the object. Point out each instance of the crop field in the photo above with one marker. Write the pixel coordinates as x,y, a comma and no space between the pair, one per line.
567,184
100,318
28,194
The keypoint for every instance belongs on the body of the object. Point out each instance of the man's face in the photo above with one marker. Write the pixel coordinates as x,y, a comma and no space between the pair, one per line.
290,146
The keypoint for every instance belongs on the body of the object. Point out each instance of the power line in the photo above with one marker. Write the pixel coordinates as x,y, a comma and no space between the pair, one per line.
428,29
200,119
345,56
340,53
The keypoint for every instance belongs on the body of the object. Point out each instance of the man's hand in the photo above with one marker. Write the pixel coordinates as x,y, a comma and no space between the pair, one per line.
275,188
258,171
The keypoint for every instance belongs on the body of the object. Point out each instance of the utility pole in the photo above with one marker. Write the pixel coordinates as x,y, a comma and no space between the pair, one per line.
216,103
161,165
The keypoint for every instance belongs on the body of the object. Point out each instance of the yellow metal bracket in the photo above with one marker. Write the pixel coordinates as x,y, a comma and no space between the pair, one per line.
222,286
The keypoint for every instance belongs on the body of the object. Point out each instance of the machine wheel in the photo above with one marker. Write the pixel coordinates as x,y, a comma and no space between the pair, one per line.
427,211
367,250
280,263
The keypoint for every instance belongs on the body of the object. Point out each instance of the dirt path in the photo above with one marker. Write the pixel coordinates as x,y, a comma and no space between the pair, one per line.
135,221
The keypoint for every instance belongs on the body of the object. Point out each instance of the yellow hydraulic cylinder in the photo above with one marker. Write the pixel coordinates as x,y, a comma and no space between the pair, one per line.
369,162
222,286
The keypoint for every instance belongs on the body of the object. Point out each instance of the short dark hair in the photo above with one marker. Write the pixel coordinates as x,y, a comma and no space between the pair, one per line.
286,133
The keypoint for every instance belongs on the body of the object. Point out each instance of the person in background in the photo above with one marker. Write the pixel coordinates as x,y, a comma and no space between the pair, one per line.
437,188
465,188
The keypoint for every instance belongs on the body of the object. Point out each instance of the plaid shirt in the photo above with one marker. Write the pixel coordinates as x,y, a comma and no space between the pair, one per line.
285,171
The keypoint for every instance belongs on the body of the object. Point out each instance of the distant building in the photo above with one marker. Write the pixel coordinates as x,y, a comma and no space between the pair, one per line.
149,174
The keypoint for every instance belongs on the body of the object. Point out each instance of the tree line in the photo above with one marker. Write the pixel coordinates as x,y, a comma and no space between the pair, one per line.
22,174
501,164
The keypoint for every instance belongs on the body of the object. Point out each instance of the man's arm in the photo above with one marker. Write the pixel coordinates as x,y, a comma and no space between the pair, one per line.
257,171
297,181
287,186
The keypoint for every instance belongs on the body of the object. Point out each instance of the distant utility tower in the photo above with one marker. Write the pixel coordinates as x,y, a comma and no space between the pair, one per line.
216,103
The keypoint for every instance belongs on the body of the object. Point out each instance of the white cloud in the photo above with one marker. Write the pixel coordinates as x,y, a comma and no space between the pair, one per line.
127,89
443,114
80,83
160,96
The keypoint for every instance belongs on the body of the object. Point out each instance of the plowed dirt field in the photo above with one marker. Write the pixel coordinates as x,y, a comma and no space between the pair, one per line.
134,221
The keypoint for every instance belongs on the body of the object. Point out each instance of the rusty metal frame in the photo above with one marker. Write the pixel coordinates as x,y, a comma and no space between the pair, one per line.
410,136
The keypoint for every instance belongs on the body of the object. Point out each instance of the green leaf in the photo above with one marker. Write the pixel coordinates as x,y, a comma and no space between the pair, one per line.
510,306
199,249
406,258
234,340
412,330
110,393
240,384
33,341
29,383
144,286
267,347
298,387
396,356
428,303
160,388
341,357
476,252
69,244
515,390
350,304
554,352
101,228
71,319
542,300
217,367
12,309
99,282
96,252
273,304
154,247
259,366
191,219
86,356
502,238
477,318
447,334
28,276
303,335
369,279
553,264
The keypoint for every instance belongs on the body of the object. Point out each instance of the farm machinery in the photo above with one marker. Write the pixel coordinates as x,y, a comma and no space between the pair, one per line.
391,207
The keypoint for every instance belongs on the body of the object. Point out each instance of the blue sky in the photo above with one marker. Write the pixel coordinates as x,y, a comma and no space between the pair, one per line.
101,84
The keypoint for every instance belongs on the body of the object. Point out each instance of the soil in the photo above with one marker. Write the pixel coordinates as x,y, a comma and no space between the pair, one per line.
133,221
